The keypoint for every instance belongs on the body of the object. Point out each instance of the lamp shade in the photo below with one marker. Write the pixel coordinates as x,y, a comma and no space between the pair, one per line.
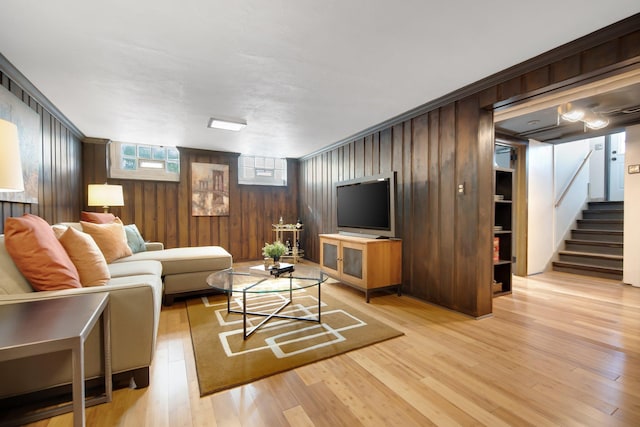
10,163
105,195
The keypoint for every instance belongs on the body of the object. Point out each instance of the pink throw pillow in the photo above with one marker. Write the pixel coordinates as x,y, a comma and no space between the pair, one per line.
97,217
86,256
110,238
38,254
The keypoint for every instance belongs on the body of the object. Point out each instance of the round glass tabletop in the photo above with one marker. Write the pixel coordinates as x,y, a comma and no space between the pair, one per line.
258,280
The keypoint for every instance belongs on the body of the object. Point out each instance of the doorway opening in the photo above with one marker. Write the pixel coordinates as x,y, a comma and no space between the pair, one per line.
614,166
556,184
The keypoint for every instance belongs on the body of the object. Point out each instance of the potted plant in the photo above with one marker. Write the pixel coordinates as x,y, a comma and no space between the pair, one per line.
274,250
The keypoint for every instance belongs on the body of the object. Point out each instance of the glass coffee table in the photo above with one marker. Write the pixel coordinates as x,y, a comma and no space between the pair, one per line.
260,280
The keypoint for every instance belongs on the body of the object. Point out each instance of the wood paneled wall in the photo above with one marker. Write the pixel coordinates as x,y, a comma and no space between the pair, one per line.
443,231
162,210
446,235
59,189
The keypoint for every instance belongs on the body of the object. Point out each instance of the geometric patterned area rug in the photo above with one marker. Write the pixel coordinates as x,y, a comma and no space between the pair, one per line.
225,360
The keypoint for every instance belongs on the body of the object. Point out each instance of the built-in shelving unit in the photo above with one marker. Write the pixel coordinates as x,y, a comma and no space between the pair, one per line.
503,231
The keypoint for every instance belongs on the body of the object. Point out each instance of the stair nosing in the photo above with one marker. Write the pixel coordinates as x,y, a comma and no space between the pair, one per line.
595,230
595,242
592,255
588,267
602,220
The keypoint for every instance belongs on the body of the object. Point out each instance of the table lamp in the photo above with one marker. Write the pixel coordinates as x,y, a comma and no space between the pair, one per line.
105,195
10,164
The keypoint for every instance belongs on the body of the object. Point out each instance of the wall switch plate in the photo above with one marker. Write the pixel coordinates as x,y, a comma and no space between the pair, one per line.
461,188
634,169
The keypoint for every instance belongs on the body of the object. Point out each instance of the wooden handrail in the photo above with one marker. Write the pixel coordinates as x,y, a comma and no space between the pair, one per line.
573,178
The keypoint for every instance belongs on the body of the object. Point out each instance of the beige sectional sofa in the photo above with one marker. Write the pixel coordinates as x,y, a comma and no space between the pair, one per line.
184,270
136,292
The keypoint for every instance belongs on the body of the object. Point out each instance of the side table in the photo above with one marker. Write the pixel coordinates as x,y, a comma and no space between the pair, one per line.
45,326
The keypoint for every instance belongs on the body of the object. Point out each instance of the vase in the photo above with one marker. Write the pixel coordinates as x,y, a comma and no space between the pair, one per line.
276,261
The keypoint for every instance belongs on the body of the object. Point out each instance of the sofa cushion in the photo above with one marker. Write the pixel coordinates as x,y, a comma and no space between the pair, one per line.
111,239
186,260
86,256
97,217
135,268
11,280
38,254
64,225
134,239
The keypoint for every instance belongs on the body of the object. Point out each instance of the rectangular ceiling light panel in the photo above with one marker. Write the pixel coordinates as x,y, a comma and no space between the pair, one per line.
234,125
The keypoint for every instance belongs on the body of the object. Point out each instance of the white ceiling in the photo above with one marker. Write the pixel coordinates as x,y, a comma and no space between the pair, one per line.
304,74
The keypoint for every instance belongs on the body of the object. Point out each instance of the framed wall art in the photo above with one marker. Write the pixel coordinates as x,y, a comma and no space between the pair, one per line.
209,189
27,121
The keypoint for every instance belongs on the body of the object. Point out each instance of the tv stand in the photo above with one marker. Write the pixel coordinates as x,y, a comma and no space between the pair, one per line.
366,264
363,235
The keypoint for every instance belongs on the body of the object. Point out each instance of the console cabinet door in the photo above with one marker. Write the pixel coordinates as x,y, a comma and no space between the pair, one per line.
354,256
330,256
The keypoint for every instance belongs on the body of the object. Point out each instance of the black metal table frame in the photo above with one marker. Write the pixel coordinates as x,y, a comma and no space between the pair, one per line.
275,313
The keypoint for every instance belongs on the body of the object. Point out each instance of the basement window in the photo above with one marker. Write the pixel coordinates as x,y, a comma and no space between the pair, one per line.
143,162
257,170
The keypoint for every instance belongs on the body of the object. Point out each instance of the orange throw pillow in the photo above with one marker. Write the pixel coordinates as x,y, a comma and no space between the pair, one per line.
97,217
38,254
86,256
110,238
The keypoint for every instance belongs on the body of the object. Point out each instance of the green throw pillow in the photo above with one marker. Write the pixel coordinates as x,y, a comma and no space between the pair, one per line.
134,239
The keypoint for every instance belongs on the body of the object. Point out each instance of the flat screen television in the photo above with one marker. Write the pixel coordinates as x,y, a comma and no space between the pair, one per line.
366,206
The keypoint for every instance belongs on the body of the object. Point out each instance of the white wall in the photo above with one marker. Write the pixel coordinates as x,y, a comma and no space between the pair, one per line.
550,169
567,159
596,169
631,267
540,206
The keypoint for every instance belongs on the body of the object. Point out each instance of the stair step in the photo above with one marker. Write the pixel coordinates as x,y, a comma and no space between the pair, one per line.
595,247
591,246
596,260
606,205
601,224
614,236
603,214
588,270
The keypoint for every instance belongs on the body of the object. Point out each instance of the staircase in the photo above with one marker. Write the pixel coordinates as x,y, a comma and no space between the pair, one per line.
595,247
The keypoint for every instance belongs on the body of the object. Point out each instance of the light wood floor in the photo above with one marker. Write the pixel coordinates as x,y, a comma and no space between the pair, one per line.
561,350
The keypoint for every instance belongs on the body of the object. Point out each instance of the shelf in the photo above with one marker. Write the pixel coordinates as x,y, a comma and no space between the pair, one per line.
498,294
294,255
503,217
280,230
285,227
